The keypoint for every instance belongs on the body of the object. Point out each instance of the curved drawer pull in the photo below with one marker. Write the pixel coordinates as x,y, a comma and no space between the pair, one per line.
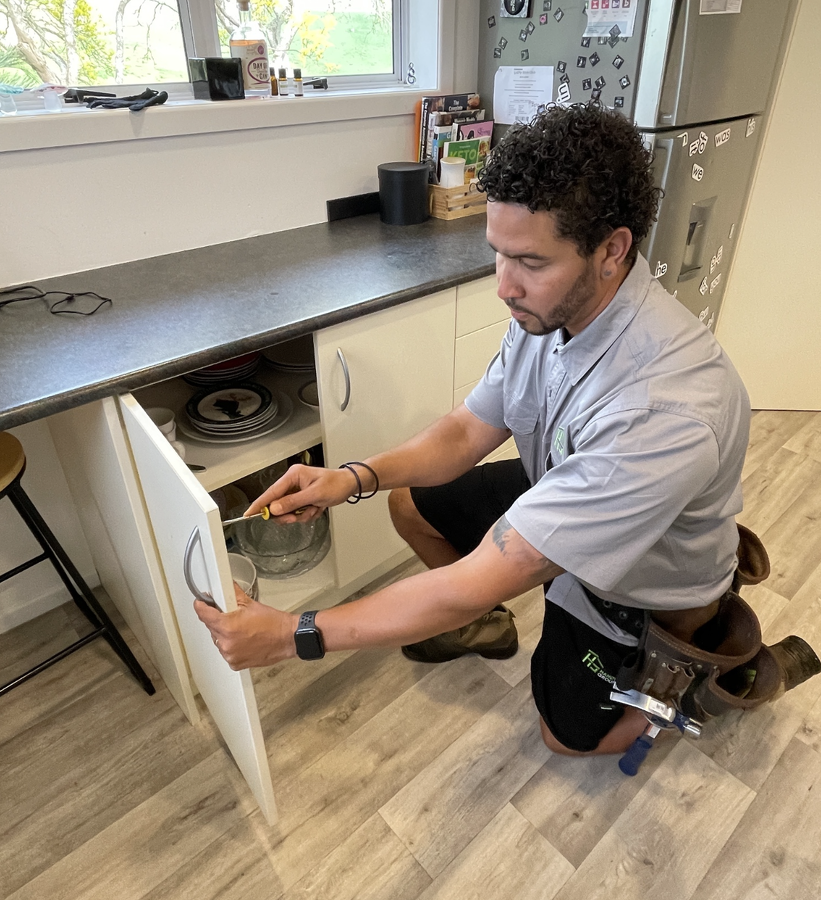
195,539
347,374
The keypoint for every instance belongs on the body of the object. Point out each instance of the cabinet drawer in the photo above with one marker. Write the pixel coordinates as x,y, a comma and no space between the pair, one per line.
474,351
478,305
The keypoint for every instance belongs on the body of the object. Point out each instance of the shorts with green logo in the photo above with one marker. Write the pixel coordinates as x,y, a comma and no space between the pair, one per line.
573,666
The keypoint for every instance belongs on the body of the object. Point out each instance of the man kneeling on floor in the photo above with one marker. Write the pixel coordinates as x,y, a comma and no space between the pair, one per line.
631,424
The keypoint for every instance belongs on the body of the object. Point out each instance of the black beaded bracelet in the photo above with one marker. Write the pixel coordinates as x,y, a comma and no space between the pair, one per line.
359,495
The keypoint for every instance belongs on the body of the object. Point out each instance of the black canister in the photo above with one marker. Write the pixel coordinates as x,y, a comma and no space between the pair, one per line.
403,193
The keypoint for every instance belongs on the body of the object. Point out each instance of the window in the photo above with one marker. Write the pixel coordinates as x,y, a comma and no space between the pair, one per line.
132,42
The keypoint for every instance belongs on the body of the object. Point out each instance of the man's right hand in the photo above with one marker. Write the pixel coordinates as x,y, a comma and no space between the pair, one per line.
303,492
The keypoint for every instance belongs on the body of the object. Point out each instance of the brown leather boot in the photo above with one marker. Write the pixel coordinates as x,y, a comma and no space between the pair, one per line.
493,636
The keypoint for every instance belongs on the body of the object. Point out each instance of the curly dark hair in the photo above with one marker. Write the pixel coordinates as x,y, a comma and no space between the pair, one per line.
584,163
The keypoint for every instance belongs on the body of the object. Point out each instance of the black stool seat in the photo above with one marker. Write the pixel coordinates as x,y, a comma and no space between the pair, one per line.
12,467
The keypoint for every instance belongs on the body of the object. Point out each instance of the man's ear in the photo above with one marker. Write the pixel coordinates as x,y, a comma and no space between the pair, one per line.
614,249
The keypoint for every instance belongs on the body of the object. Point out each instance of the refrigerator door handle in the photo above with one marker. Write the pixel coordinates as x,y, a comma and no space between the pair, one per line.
655,49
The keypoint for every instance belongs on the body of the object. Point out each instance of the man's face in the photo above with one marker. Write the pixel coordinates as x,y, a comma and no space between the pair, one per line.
542,278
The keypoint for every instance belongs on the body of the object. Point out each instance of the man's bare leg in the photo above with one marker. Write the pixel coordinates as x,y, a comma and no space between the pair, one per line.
425,541
617,740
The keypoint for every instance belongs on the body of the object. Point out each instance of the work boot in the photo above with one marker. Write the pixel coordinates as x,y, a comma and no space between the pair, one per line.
493,636
796,659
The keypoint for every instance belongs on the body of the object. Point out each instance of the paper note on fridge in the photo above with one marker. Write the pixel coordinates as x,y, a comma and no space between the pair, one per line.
519,91
719,7
611,19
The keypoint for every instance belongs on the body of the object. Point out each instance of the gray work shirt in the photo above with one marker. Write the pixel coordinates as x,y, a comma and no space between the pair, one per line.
633,435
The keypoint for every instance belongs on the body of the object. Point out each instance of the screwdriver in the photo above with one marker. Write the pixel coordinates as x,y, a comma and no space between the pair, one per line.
264,513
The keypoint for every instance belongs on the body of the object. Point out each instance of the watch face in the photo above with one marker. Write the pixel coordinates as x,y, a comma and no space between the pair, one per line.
515,8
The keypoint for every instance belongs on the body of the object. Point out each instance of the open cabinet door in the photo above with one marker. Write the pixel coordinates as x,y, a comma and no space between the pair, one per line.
184,518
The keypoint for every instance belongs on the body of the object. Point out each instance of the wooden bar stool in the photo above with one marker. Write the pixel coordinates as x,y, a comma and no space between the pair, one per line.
12,466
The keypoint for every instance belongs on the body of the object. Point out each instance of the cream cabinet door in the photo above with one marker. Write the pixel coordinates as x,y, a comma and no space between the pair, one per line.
382,378
188,534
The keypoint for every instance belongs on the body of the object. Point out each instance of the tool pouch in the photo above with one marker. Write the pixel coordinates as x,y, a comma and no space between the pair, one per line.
753,562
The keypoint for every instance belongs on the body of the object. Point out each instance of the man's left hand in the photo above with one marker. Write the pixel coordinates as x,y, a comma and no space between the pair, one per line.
250,636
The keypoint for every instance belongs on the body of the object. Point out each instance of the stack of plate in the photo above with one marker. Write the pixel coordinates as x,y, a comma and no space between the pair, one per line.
237,369
292,356
232,413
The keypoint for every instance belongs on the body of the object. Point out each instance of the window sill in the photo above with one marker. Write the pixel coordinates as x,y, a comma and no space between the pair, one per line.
72,127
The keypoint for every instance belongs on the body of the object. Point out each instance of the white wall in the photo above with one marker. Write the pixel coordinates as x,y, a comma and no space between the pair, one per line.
771,315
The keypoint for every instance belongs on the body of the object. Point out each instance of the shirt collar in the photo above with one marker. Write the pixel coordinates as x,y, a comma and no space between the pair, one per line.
581,353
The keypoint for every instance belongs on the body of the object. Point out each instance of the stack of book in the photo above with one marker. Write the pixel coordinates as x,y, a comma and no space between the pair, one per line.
454,125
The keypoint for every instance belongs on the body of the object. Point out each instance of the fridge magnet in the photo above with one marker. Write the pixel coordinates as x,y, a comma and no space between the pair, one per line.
561,66
661,269
595,59
713,264
502,43
710,321
563,95
581,62
704,313
702,142
722,137
751,123
694,147
715,282
587,84
618,102
543,19
698,172
685,138
491,22
618,62
624,81
523,35
525,55
615,31
612,41
530,28
565,79
547,5
515,9
602,41
595,95
732,232
600,82
497,52
702,288
585,42
719,253
559,14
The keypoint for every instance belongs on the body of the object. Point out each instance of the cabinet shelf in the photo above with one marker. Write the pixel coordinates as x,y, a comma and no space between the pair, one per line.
227,462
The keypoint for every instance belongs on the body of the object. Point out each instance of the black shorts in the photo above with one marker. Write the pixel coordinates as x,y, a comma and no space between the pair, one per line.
573,665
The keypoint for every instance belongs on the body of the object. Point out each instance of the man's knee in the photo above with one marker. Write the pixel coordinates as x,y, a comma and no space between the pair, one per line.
552,743
403,511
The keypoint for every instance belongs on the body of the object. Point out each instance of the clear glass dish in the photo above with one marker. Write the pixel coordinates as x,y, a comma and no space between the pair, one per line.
283,551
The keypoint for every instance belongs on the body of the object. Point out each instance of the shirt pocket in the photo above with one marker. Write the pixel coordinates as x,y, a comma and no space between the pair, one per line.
521,417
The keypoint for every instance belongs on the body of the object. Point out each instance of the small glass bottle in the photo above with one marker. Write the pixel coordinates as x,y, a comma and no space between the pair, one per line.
298,83
274,84
283,83
248,44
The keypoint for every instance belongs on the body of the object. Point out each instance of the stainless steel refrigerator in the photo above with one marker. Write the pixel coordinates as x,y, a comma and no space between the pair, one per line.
695,76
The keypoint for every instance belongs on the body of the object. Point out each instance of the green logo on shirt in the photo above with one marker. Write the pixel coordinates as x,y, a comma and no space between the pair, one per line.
593,662
558,442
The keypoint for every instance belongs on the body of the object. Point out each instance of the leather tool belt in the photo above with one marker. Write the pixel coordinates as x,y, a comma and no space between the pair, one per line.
723,666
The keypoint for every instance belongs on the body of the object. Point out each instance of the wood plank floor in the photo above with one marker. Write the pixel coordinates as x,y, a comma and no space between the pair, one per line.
397,780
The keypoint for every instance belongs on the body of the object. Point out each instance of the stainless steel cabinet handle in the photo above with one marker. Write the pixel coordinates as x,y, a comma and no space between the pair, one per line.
347,374
186,568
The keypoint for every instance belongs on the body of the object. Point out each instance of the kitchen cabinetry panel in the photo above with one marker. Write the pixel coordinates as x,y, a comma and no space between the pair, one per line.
475,350
478,305
186,524
399,379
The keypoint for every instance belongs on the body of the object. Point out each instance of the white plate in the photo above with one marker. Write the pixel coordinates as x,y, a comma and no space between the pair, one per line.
284,410
309,394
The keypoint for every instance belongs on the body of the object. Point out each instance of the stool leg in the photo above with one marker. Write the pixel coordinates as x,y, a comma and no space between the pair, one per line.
85,599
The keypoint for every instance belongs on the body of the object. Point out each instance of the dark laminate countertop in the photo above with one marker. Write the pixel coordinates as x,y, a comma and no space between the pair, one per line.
178,312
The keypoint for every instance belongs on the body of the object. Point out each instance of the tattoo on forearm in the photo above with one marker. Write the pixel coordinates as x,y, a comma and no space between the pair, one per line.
502,533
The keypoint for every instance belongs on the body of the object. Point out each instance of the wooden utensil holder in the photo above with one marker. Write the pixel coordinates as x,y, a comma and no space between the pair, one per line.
456,202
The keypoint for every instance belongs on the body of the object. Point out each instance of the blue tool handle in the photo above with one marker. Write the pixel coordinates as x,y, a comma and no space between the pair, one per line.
636,754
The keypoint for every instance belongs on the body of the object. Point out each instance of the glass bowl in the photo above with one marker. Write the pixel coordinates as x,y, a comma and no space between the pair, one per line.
282,551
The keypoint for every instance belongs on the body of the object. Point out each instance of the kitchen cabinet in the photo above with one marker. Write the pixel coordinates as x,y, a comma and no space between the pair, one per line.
398,377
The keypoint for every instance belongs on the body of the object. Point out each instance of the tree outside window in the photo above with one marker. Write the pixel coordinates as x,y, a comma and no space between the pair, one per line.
98,42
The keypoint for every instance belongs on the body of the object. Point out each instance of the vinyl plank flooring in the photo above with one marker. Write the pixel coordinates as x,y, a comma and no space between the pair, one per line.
769,430
775,851
441,810
144,846
508,860
324,802
573,801
775,487
372,864
807,440
668,836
